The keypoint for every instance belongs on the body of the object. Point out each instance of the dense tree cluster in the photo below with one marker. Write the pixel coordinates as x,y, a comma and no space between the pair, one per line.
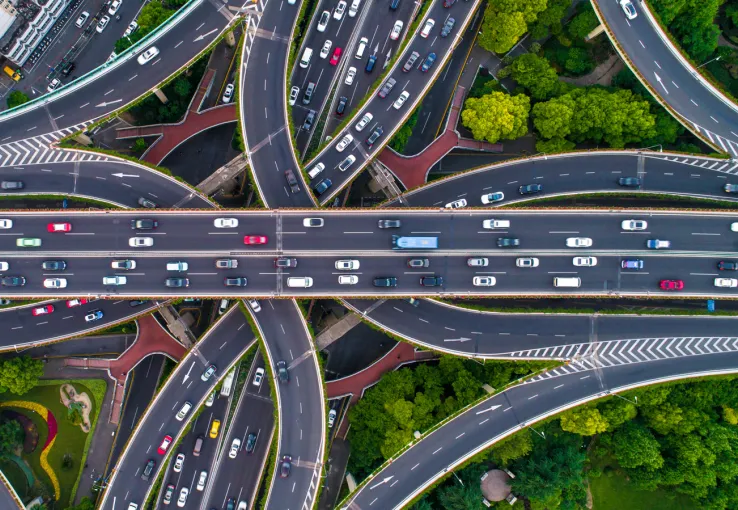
692,22
497,116
18,375
401,137
11,437
151,16
505,22
17,98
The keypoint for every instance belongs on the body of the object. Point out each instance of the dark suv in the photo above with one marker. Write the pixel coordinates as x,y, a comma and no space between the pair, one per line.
13,281
235,282
341,106
728,265
630,182
309,119
389,223
54,265
431,281
177,282
282,373
529,189
285,262
144,224
385,281
292,181
506,242
148,469
386,88
374,136
250,443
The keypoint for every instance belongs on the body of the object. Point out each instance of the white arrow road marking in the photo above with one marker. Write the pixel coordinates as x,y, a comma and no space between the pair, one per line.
461,339
102,105
491,408
203,36
124,175
187,375
658,79
382,482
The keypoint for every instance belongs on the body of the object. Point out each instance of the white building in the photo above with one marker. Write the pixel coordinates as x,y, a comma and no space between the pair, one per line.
24,25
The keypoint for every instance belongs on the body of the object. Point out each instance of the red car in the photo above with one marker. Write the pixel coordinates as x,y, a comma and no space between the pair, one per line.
59,227
164,446
671,284
255,240
43,310
77,302
336,56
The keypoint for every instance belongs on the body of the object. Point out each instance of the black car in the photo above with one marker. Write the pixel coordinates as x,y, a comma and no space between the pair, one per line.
148,469
235,282
12,185
431,281
136,302
728,265
13,281
231,504
250,443
177,282
144,224
374,136
282,373
67,69
385,281
341,106
285,466
529,189
309,119
389,223
285,262
54,265
292,181
504,242
630,182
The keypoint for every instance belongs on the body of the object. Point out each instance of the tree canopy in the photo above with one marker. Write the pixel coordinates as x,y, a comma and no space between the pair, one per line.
497,116
17,98
11,437
18,375
505,22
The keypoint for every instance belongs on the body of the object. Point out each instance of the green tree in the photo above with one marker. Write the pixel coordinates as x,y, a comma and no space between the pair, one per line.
11,437
583,23
579,61
549,21
554,145
500,31
152,15
617,411
18,375
635,446
537,76
461,497
497,116
139,145
513,447
586,421
17,98
182,87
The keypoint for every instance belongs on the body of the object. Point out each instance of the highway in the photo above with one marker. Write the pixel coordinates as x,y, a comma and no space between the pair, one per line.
301,404
221,345
699,107
8,497
520,406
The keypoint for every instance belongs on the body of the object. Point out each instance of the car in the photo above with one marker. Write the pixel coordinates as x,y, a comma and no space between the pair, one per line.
285,262
148,469
182,499
341,106
168,494
114,280
378,131
225,222
136,302
366,119
431,281
448,27
294,93
208,373
529,189
289,175
282,373
148,55
495,224
671,284
418,263
385,281
78,302
258,376
144,224
636,264
410,62
139,242
55,283
124,265
323,186
401,100
255,240
66,69
42,310
585,261
340,9
53,265
726,282
428,62
94,315
634,225
285,466
226,263
132,27
82,19
313,222
309,119
11,185
629,182
239,281
331,417
386,88
28,242
59,227
657,244
507,242
728,265
484,281
235,446
578,242
327,45
164,445
370,63
12,281
231,503
179,462
350,75
4,266
6,224
389,223
177,283
250,443
730,188
448,3
396,30
477,262
254,304
425,32
214,429
456,204
628,9
55,84
204,478
323,21
307,96
491,198
354,8
228,93
347,265
114,6
210,400
527,262
345,141
335,57
348,279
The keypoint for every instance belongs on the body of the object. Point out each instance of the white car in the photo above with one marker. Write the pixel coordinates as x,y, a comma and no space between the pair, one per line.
210,400
254,304
331,417
294,92
350,75
123,265
179,462
634,225
82,19
527,262
585,261
55,83
114,280
366,119
55,283
401,100
225,222
6,223
491,198
148,55
354,9
102,24
4,266
182,499
228,93
114,7
323,22
495,224
131,28
456,204
726,282
340,9
313,222
348,279
347,265
345,141
734,227
628,9
138,242
484,281
578,242
326,49
258,376
396,30
235,445
477,262
427,28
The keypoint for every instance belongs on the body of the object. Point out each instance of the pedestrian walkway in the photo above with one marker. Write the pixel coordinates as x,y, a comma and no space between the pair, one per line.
412,171
170,136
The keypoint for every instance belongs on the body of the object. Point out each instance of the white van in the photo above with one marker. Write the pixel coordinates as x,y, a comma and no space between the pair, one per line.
362,46
496,224
184,410
177,266
313,173
307,55
354,9
568,282
303,281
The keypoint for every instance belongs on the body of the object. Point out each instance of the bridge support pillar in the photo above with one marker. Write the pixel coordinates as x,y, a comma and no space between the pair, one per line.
83,139
230,39
382,179
161,95
594,33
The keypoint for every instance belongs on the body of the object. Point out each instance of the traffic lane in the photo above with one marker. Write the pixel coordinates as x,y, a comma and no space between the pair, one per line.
104,345
5,495
611,327
220,347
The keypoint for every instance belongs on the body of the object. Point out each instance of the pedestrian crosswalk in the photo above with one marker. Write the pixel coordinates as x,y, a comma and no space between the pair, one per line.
726,145
716,165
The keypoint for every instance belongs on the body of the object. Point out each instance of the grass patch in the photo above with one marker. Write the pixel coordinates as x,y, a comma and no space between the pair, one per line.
166,371
72,202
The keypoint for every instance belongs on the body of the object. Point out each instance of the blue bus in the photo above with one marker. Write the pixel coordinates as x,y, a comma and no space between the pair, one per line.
414,243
